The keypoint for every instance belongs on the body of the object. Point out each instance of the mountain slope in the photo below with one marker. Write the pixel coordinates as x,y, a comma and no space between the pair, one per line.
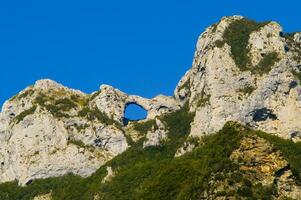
220,167
231,131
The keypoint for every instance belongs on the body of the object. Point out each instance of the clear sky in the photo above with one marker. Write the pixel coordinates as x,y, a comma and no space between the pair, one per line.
141,47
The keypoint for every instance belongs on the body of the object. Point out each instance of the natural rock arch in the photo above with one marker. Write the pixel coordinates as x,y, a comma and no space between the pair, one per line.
127,118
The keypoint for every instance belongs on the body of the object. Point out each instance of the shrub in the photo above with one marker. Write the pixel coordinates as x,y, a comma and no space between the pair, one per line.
144,127
65,104
297,75
185,85
95,114
219,43
266,63
26,93
25,113
80,143
55,111
248,89
95,94
81,100
237,35
203,99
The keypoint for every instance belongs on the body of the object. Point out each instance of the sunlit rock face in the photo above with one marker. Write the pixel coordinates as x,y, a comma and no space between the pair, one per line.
49,130
249,78
242,71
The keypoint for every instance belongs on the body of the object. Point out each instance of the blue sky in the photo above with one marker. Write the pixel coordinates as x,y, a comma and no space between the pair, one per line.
140,47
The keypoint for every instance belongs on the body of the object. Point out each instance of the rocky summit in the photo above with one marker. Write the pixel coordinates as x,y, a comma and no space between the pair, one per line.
231,131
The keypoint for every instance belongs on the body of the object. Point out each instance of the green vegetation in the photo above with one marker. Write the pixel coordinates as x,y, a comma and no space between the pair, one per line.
25,113
237,36
153,172
65,104
297,75
290,150
55,107
219,43
80,127
185,85
214,27
55,111
194,141
95,114
80,144
95,94
293,46
266,63
247,89
203,101
203,98
80,100
145,126
26,93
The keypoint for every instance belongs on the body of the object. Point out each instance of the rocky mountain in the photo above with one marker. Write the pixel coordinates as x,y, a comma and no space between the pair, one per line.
231,130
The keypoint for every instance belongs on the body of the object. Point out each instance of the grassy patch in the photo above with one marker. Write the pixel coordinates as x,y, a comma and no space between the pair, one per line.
95,94
297,75
55,107
266,63
219,43
237,36
80,127
185,85
203,99
95,114
248,89
65,104
144,127
25,113
80,144
80,100
28,92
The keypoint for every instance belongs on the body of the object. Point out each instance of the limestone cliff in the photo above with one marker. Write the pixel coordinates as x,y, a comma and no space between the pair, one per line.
243,71
248,72
50,130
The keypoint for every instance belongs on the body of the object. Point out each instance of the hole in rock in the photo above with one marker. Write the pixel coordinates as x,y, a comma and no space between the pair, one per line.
134,112
28,182
263,114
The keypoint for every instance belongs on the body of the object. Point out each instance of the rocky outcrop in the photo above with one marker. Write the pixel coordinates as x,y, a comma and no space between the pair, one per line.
260,166
256,84
113,102
49,130
109,176
43,197
156,134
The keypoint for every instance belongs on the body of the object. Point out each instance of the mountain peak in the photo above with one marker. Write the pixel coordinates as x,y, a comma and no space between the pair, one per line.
237,109
45,84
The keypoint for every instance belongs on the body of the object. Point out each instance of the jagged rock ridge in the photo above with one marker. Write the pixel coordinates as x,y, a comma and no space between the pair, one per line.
50,130
242,71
